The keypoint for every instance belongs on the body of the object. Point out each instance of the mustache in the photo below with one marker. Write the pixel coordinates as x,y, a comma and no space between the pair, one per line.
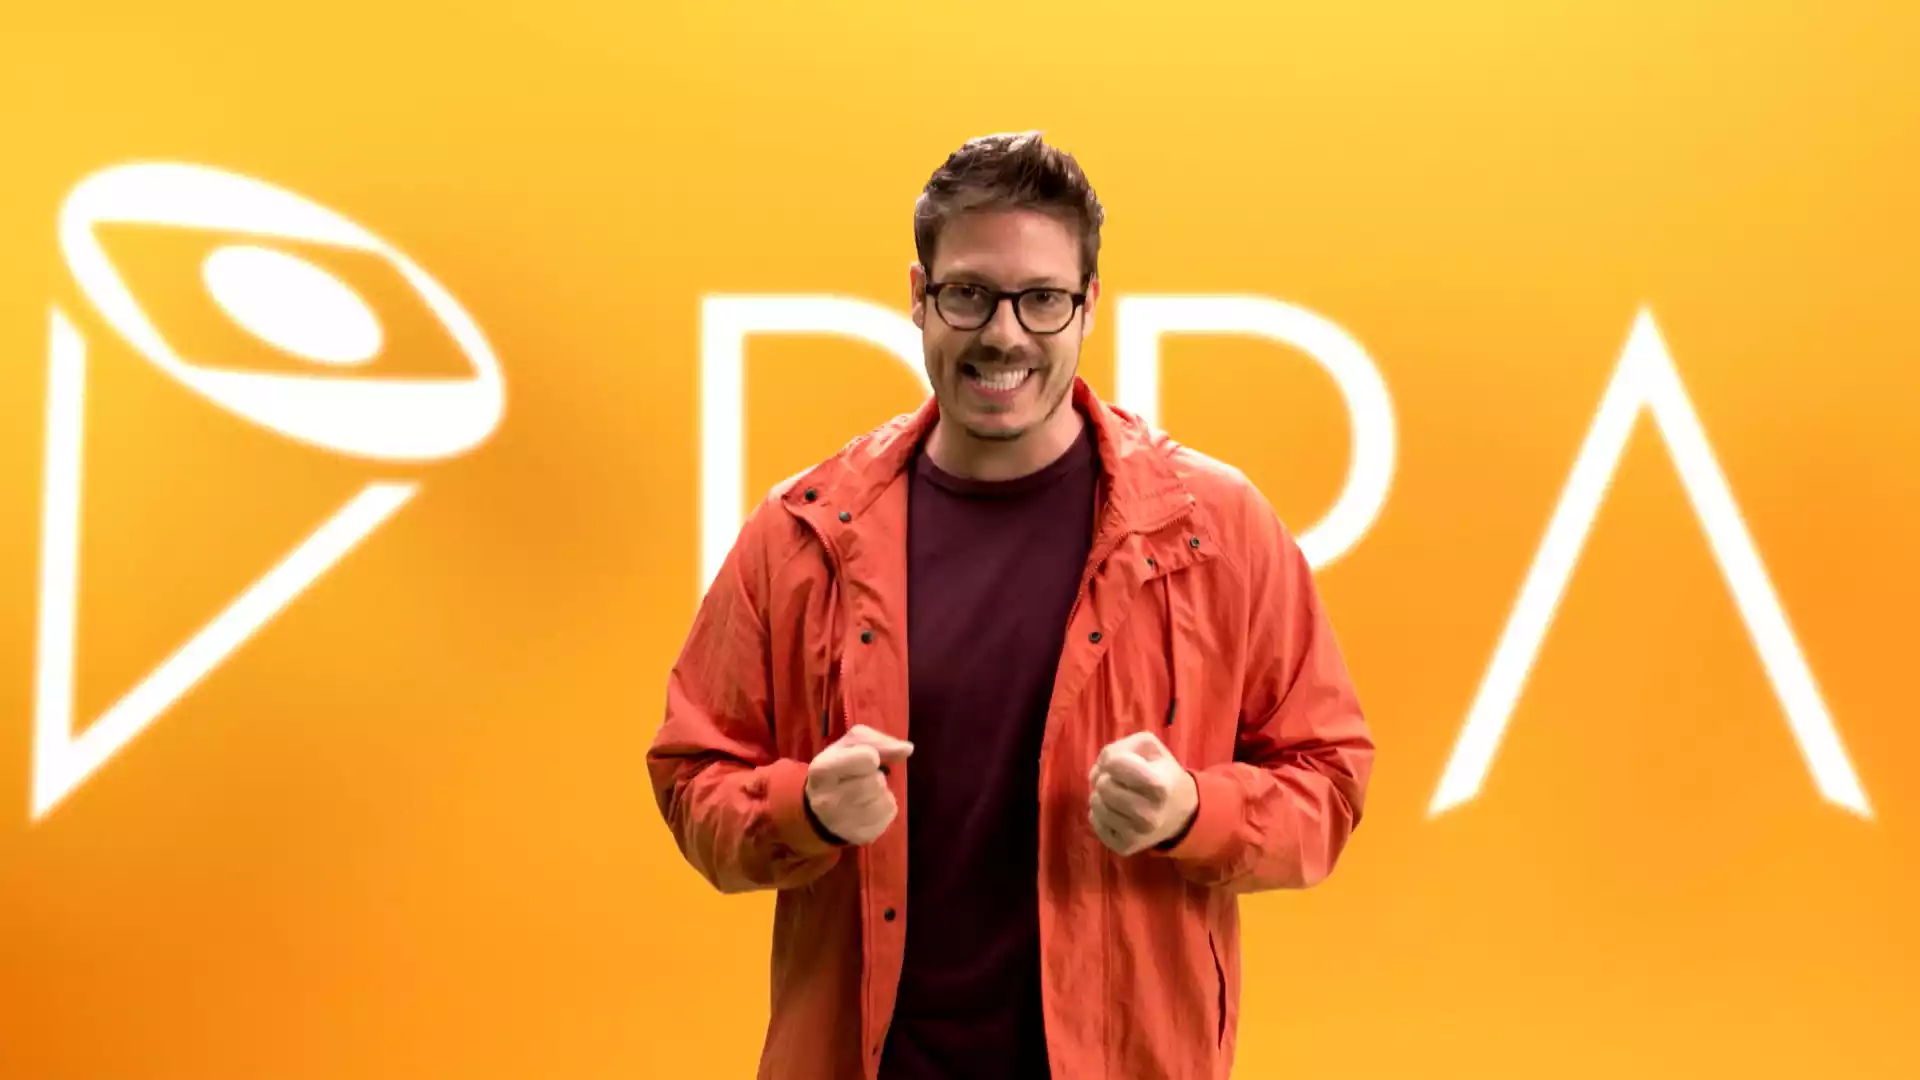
981,355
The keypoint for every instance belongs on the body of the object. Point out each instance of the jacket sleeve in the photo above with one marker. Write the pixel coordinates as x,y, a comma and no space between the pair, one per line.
1280,813
736,809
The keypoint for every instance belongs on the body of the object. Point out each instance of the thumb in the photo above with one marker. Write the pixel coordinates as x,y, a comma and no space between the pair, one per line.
844,763
1142,744
888,747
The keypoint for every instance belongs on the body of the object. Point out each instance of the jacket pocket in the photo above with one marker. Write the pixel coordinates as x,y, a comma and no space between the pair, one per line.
1220,992
828,712
1198,721
829,698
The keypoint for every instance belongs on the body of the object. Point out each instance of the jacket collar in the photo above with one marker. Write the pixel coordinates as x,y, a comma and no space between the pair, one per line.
1142,490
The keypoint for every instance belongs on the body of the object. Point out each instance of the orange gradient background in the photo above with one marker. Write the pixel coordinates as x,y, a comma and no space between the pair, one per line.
405,831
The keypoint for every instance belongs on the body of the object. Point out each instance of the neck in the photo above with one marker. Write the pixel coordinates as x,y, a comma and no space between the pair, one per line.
961,453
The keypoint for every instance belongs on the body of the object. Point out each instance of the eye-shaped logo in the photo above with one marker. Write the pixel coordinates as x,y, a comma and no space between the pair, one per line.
291,304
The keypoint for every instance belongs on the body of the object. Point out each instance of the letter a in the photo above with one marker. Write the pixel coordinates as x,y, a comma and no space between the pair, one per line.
1646,379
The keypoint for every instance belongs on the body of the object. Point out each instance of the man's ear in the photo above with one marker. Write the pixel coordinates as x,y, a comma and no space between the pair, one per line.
1093,295
917,288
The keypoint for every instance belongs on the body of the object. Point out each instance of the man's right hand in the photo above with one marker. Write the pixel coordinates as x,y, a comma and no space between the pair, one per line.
846,789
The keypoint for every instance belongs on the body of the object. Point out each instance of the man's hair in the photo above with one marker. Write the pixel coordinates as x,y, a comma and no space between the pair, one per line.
1006,172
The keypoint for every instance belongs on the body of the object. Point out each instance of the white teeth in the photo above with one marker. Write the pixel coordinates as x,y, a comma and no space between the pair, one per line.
1003,380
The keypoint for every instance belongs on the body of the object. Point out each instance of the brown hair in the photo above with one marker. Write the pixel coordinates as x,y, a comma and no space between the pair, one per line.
1017,170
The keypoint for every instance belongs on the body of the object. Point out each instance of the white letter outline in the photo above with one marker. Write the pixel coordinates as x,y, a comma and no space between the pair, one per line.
1143,320
1646,378
726,321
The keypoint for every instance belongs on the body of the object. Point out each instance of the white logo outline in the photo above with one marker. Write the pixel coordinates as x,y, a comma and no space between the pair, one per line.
394,420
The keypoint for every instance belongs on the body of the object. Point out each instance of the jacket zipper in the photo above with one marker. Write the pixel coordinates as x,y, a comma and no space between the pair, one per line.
1086,575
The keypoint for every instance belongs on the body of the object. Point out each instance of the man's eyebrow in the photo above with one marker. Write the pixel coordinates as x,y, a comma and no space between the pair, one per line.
1039,281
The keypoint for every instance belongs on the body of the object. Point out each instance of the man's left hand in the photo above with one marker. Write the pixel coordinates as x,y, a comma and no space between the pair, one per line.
1141,795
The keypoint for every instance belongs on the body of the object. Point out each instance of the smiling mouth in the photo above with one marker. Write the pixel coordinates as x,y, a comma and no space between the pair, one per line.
996,380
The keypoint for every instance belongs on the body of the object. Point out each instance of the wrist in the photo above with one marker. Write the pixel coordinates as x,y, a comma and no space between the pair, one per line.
1191,815
819,827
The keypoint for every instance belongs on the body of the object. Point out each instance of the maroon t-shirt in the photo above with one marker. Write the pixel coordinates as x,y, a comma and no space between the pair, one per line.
992,571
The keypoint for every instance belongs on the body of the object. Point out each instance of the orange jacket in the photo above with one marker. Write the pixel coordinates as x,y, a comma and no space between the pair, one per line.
1210,634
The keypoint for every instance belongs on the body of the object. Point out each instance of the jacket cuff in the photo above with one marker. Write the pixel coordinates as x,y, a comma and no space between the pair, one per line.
1215,820
787,808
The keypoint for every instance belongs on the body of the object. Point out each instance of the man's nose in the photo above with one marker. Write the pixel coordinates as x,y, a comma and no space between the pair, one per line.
1003,329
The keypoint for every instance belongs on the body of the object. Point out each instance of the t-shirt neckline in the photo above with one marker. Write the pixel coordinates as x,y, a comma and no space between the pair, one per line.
1077,456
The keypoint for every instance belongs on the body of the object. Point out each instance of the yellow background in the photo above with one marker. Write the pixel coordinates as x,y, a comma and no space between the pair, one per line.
406,830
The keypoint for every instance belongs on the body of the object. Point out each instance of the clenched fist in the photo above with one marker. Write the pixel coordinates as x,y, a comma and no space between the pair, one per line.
1141,795
846,789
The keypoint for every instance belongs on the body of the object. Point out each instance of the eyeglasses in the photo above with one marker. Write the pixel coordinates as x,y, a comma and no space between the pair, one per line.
966,306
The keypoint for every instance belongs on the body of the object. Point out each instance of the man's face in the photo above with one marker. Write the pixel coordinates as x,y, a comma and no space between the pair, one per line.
1001,380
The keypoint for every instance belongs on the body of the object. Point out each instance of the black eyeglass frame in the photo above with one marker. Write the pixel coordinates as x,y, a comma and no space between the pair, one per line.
1000,296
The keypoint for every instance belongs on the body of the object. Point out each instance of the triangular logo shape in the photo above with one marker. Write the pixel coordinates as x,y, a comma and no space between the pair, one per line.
393,420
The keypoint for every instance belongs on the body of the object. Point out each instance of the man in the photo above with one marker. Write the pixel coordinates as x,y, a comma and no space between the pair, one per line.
1011,697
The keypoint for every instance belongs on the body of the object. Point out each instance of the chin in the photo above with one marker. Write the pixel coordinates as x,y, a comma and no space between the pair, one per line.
1000,424
995,432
